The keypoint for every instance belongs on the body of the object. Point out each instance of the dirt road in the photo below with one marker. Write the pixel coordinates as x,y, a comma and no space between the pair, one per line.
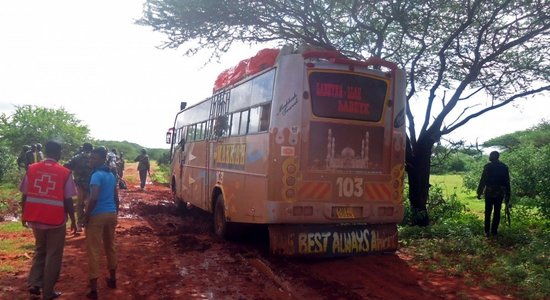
164,254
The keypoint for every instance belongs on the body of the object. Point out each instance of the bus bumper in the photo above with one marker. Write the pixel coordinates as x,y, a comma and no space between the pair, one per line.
332,240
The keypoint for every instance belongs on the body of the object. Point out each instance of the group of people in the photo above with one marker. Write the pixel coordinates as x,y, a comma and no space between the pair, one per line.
48,188
29,155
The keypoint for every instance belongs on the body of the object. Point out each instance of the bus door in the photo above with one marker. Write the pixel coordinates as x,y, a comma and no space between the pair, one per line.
217,129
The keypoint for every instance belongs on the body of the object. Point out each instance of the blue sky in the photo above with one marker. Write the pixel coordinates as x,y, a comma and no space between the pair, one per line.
90,58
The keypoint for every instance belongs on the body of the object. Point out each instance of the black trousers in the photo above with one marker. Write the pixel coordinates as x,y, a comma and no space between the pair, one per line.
142,177
490,203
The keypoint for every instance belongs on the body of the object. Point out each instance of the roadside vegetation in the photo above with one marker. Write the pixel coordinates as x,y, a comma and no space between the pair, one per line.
517,261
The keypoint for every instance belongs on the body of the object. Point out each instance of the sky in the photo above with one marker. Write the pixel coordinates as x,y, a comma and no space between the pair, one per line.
90,58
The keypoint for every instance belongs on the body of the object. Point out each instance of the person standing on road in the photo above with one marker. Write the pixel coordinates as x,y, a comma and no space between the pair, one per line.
120,165
47,190
101,220
80,165
495,185
143,167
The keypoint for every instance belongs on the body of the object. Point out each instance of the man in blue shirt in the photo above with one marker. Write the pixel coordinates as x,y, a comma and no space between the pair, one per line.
101,220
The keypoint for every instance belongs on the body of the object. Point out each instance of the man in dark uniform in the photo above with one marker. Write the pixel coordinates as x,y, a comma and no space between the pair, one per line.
143,167
30,156
21,159
80,165
495,185
39,154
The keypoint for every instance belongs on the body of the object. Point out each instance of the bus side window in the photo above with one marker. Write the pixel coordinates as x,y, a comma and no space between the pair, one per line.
264,118
235,123
199,133
254,124
190,133
244,122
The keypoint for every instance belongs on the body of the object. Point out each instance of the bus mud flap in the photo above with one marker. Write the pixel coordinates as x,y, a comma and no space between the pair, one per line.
332,240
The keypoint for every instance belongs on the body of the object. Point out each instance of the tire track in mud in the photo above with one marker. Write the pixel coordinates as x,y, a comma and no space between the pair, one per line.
208,267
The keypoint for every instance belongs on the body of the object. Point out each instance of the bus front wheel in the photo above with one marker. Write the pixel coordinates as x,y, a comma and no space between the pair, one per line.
222,227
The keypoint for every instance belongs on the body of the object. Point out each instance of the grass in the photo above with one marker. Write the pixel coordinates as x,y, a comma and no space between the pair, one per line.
453,184
9,197
15,244
516,262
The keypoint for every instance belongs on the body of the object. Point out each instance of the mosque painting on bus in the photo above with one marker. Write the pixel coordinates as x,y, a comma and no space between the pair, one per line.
345,147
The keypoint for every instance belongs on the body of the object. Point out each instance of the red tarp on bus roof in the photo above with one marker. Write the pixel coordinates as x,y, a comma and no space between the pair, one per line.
264,59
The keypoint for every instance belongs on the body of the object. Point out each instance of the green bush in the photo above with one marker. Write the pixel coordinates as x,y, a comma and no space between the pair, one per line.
8,166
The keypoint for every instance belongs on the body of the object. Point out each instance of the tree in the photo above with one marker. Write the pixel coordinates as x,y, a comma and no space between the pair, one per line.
455,52
33,124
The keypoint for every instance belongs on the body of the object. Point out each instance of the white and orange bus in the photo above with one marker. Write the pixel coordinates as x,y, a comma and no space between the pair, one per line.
309,142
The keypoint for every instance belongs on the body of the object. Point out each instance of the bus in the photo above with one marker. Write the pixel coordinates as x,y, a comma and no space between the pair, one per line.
307,142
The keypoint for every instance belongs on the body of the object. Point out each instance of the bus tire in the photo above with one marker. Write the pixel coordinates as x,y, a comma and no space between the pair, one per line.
222,227
181,206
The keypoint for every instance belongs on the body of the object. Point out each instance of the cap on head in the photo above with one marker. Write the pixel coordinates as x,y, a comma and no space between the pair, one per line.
87,147
53,149
493,156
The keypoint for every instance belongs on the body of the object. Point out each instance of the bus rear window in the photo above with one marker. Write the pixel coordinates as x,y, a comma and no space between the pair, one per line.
347,96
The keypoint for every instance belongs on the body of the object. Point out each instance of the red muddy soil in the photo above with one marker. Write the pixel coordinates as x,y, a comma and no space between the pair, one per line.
164,254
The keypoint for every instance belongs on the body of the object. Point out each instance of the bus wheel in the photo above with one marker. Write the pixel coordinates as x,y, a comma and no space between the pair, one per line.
222,228
181,206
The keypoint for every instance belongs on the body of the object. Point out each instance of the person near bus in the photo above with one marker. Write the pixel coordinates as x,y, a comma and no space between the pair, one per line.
47,190
80,165
143,167
495,185
101,220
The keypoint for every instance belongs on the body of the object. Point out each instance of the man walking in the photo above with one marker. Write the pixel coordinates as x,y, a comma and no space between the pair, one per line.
80,165
47,190
143,167
101,220
495,185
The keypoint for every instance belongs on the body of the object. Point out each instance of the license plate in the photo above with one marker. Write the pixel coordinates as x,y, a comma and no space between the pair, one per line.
344,213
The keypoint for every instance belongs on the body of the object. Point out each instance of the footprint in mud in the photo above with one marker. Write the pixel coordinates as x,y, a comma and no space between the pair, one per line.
137,230
191,243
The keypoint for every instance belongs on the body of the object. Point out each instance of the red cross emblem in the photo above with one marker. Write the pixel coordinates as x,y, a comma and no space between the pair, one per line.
44,184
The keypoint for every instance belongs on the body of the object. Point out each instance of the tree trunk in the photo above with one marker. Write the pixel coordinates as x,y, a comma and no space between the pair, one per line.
418,171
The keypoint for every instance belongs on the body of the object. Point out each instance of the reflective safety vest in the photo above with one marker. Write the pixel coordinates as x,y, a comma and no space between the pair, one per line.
46,193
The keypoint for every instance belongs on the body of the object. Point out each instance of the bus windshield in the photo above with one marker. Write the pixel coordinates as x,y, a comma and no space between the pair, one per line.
347,96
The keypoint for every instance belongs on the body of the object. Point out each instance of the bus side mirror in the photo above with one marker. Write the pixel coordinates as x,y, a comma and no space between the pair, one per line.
169,137
183,105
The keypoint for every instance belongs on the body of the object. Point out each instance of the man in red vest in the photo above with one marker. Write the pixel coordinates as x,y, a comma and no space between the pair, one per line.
47,190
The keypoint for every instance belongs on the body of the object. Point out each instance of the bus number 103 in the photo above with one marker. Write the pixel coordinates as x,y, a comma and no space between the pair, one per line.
349,187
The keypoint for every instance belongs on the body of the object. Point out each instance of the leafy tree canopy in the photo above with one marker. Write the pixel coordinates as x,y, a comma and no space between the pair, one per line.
536,136
32,124
463,58
130,150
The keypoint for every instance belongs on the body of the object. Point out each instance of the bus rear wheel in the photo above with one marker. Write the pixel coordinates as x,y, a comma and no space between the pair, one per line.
222,227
